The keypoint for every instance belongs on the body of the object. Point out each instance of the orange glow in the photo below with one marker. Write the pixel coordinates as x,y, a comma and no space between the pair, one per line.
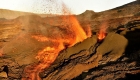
101,35
102,32
0,54
71,34
1,51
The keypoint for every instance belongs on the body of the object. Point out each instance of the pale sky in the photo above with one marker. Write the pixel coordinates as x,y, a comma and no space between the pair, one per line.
53,6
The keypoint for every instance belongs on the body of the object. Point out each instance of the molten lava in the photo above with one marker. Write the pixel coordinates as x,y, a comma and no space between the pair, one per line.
102,32
68,34
101,35
74,34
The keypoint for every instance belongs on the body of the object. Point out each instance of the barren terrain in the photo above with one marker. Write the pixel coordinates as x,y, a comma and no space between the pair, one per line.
53,48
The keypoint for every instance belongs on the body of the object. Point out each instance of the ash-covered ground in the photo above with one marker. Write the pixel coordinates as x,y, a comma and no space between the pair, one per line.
116,57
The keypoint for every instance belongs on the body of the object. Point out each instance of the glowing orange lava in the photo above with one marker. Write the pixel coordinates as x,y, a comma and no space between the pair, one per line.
102,31
101,35
71,33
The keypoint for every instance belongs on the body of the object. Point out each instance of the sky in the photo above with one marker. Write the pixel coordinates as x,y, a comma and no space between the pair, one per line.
53,6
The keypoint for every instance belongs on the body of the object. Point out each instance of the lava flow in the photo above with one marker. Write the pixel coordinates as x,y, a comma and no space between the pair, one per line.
67,35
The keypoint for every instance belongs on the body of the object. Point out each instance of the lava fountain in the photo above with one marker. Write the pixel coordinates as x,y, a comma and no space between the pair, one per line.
70,33
102,32
101,35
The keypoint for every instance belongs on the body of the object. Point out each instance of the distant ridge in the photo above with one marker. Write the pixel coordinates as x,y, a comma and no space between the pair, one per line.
126,10
10,14
128,4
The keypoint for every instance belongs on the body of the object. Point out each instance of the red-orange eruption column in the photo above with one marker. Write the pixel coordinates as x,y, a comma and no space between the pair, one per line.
47,56
102,32
101,35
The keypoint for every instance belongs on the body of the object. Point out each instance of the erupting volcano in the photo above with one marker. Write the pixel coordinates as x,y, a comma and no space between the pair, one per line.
59,45
66,35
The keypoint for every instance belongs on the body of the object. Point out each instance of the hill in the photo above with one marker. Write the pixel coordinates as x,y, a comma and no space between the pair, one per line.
125,10
10,14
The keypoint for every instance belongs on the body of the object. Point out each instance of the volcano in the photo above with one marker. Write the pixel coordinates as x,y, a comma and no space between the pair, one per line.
88,46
